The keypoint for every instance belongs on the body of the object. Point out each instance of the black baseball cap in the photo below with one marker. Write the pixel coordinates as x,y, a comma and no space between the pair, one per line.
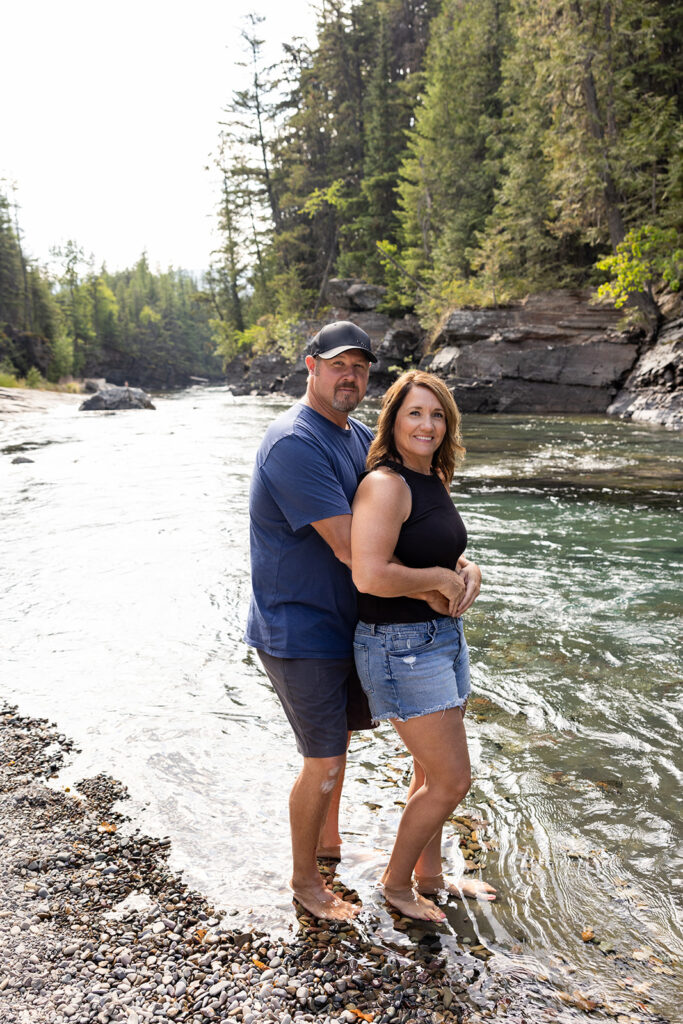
338,337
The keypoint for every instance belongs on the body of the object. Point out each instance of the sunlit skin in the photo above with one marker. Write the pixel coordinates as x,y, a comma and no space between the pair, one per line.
336,386
419,429
437,741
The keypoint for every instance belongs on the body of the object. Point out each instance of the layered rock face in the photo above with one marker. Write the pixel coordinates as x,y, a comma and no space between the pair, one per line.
553,353
653,392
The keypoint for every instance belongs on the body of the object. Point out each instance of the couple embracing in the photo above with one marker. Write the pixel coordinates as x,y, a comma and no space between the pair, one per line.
359,581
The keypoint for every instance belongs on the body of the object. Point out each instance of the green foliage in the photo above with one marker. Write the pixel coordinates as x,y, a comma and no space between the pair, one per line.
399,284
133,324
269,333
448,174
228,340
8,374
332,195
322,191
34,378
587,139
62,362
648,256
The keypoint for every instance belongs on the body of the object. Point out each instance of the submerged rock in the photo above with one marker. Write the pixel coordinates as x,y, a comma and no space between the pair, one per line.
112,397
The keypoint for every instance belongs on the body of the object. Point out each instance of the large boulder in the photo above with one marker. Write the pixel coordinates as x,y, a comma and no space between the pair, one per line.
344,293
553,353
653,392
112,398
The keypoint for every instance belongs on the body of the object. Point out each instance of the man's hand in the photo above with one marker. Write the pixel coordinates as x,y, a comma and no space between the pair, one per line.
436,601
471,574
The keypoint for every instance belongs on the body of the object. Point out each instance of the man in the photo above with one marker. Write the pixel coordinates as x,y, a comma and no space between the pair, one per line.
303,607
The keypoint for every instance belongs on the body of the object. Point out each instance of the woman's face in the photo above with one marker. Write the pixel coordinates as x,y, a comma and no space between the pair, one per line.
420,428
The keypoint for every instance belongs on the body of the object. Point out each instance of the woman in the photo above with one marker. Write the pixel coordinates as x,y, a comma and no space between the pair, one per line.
407,537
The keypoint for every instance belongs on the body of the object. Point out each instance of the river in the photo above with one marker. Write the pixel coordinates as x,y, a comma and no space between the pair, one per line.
125,587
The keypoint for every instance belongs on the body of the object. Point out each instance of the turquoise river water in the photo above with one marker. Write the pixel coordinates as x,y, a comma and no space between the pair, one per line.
125,586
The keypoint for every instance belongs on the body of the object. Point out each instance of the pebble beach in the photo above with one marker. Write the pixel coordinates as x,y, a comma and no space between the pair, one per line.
95,927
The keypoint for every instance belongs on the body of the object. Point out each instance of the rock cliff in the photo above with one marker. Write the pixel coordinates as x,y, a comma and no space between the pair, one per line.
555,352
552,353
653,391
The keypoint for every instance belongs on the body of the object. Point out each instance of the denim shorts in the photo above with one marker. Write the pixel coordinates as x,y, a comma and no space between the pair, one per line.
414,668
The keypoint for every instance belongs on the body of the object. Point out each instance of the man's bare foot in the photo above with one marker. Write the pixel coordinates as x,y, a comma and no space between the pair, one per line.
324,904
329,852
411,904
472,888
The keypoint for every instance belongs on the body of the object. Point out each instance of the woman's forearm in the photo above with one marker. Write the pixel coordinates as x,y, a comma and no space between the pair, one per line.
391,579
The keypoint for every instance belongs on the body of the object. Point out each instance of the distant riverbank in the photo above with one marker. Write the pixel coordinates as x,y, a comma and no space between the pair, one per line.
33,400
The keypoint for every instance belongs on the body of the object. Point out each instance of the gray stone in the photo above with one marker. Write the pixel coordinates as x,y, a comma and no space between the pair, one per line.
112,398
365,296
653,391
336,291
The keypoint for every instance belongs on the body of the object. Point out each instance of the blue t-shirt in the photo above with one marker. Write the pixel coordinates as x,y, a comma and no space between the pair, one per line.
303,601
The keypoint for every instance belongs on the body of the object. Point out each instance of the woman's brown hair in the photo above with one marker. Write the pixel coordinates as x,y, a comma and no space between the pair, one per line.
450,450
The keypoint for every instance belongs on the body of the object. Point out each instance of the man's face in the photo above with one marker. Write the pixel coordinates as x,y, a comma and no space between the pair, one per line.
339,383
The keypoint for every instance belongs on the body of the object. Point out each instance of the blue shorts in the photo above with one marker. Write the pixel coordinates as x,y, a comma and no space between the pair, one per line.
413,668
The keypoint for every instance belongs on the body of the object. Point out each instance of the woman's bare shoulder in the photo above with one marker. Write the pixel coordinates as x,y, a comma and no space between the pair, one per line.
383,478
386,486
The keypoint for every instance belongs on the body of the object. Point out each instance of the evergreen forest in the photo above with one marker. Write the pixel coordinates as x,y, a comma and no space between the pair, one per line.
457,152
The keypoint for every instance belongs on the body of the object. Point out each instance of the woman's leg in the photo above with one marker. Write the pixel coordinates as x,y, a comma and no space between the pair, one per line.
428,868
439,746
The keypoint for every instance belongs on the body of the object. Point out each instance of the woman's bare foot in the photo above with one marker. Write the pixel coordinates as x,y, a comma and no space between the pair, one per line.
411,904
329,852
322,903
472,888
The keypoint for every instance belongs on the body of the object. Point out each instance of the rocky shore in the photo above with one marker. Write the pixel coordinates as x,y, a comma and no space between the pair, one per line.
555,352
94,926
32,400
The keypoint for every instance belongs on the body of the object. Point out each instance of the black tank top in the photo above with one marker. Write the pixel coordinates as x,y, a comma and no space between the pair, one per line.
433,534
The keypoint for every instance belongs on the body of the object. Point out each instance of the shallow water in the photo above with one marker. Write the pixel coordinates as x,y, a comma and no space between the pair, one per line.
125,585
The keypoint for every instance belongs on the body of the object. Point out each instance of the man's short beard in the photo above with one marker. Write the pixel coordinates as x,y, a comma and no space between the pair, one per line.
346,403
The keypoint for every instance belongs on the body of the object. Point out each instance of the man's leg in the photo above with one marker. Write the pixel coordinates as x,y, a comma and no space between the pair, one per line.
309,803
329,840
313,693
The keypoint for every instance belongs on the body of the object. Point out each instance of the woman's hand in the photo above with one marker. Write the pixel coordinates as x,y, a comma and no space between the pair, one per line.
471,574
454,589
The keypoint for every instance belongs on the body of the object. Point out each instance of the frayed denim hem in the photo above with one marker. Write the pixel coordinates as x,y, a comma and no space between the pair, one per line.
391,717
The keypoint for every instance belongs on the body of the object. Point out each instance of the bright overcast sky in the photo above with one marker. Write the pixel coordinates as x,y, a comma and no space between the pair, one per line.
109,116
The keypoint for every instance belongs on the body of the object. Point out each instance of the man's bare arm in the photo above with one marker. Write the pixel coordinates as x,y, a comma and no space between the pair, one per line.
336,531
